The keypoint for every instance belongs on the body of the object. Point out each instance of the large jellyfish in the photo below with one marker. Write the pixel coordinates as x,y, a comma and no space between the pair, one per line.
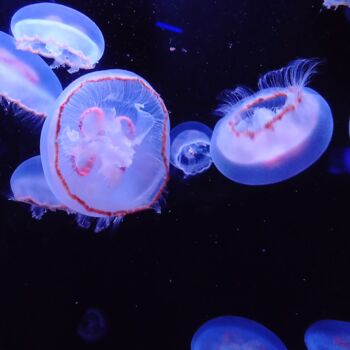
275,133
328,334
235,333
335,3
105,147
58,32
26,81
190,147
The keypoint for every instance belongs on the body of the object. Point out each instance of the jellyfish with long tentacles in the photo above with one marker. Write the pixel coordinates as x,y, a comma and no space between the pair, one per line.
275,133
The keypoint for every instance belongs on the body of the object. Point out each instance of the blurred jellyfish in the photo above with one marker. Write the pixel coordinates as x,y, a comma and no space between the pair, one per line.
105,147
190,147
276,133
328,334
58,32
339,161
93,326
335,3
235,333
26,81
28,185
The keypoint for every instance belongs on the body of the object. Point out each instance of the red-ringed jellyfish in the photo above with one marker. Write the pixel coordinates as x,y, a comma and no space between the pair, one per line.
275,133
29,185
190,147
328,334
335,3
26,81
59,32
105,147
232,332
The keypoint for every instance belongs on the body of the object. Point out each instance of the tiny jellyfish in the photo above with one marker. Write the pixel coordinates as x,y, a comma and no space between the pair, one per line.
235,333
105,146
28,185
339,161
92,326
275,133
328,334
26,81
335,3
190,147
59,32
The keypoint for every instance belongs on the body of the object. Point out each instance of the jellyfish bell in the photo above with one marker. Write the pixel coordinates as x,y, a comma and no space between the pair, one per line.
190,147
29,185
328,334
59,32
232,332
26,81
329,4
275,133
105,147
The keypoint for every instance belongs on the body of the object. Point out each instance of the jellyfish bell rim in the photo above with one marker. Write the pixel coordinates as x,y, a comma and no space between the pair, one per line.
246,323
93,77
190,125
258,171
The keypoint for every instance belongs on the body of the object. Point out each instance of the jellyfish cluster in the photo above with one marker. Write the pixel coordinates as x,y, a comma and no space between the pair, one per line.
106,145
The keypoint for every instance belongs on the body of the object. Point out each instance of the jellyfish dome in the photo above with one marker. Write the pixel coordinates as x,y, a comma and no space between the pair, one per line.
335,3
328,334
235,333
105,147
58,32
190,147
275,133
28,185
26,80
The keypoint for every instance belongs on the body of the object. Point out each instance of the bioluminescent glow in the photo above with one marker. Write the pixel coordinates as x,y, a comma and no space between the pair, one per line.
169,27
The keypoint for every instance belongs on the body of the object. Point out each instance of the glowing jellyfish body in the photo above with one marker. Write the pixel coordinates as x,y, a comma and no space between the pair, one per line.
335,3
105,148
28,185
235,333
276,133
190,147
58,32
26,80
93,326
328,334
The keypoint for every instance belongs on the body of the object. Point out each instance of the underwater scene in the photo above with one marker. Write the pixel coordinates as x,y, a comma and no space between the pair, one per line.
174,174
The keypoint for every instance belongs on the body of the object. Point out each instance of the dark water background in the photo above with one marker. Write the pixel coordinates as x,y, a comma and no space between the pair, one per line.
277,254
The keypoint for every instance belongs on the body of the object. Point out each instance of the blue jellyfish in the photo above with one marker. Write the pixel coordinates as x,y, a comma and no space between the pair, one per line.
235,333
26,81
335,3
190,147
275,133
93,326
328,335
105,147
28,185
58,32
339,161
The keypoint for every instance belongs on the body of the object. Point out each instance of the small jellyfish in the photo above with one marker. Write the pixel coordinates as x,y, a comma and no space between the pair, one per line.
335,3
26,81
275,133
190,147
28,185
328,334
93,326
339,161
235,333
105,147
59,32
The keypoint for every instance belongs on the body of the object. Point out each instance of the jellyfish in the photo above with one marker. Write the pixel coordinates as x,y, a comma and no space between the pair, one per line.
328,334
28,185
26,81
190,147
59,32
235,333
93,326
339,161
105,147
275,133
335,3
